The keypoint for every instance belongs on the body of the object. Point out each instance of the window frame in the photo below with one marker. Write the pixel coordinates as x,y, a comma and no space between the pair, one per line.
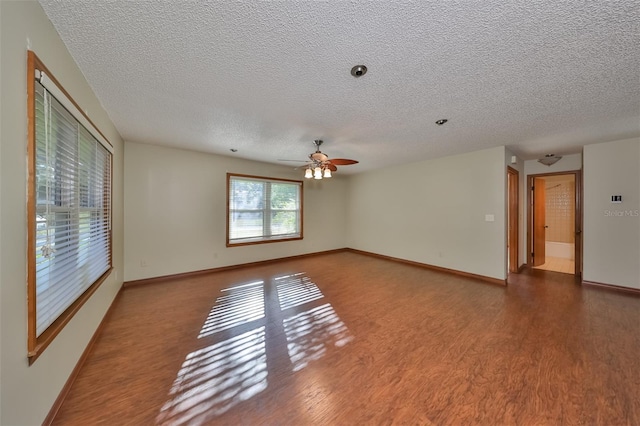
37,344
263,239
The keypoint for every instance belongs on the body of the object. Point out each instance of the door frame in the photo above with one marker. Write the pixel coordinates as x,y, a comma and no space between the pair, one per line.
513,225
578,216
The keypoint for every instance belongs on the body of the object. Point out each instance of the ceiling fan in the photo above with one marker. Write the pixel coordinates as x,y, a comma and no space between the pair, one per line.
320,166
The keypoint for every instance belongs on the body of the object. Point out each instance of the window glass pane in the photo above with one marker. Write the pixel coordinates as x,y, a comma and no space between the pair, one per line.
248,195
284,196
284,222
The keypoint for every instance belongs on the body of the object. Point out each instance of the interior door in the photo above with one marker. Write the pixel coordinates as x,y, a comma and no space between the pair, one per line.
539,226
513,212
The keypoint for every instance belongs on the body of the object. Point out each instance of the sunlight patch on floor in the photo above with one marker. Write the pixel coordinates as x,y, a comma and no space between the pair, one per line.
310,333
238,305
295,290
214,379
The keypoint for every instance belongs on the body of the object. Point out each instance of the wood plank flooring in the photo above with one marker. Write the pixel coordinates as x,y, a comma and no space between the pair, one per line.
346,339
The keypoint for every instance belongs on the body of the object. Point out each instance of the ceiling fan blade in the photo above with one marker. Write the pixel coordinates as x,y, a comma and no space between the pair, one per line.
295,161
331,167
342,161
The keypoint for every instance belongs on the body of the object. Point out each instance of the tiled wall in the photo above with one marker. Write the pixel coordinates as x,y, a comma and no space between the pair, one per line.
560,215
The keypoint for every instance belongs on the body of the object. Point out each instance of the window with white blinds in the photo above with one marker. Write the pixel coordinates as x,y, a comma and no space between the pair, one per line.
263,210
71,201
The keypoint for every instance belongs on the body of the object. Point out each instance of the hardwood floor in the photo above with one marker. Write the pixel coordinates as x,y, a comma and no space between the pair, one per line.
350,339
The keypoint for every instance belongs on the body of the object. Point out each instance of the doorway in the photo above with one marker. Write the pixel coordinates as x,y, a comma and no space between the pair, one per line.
513,213
554,226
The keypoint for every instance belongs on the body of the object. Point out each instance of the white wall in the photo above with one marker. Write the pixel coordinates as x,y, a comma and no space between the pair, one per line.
434,211
175,212
611,241
28,392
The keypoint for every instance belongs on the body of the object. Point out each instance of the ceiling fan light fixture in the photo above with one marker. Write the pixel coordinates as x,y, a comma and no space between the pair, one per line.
319,166
549,159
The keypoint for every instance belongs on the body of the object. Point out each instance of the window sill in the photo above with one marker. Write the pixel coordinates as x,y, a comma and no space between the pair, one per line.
254,241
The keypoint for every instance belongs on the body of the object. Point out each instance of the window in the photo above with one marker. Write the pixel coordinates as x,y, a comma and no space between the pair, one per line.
263,210
68,207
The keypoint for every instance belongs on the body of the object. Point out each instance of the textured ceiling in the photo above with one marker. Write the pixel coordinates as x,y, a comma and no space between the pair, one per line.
266,78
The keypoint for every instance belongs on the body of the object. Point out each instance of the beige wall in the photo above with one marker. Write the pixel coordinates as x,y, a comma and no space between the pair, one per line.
434,211
612,231
27,393
175,212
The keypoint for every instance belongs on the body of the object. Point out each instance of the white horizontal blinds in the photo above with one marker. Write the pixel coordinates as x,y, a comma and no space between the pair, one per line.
58,93
73,196
261,209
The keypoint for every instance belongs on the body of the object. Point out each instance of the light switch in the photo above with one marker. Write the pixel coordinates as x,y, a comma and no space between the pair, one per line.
489,218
